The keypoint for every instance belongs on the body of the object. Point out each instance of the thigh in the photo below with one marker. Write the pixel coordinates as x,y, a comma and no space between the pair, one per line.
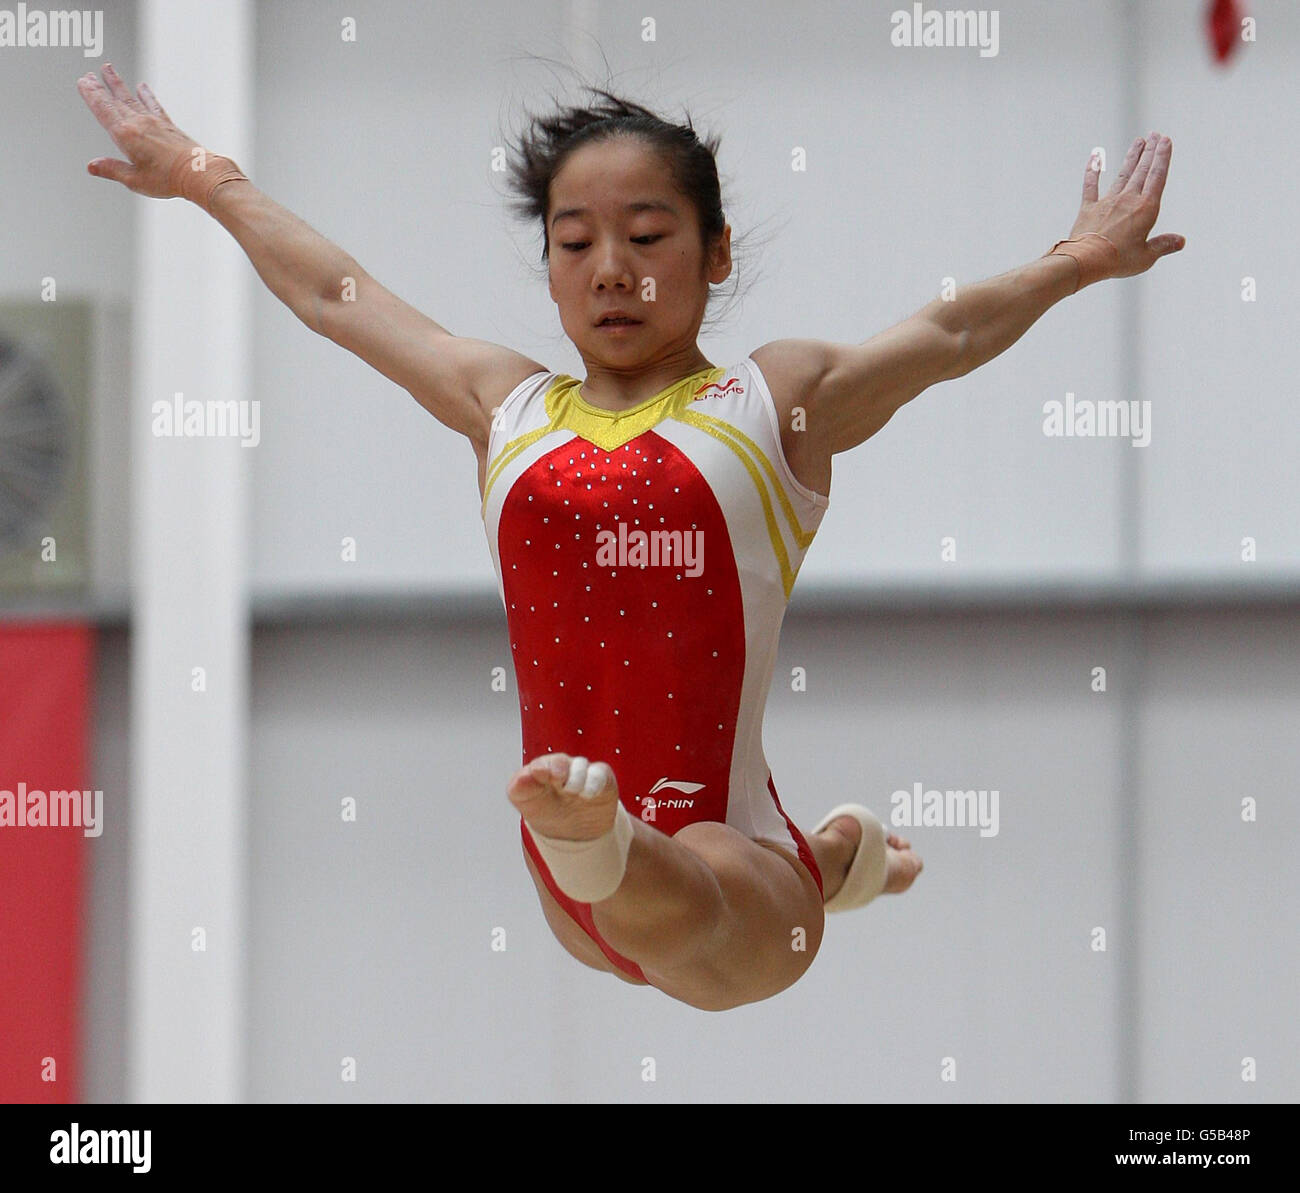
771,930
569,932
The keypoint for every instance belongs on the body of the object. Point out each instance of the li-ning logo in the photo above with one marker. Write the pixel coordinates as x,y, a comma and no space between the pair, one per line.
649,804
732,387
676,785
38,29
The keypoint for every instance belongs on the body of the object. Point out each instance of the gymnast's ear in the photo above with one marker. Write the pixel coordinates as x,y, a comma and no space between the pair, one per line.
718,266
550,281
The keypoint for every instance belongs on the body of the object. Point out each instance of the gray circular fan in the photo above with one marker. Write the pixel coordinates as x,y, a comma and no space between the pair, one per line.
35,445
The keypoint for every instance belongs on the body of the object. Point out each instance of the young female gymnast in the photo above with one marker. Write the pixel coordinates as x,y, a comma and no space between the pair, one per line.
647,523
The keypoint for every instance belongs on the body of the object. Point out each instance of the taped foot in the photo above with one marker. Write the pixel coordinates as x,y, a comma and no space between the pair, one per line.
580,828
881,863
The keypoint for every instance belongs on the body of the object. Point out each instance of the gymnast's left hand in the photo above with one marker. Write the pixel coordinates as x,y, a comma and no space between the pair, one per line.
1128,212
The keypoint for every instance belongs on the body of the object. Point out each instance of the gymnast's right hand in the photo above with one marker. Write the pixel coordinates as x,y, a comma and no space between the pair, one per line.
141,130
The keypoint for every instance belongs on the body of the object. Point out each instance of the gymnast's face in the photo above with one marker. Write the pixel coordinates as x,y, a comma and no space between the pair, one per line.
615,223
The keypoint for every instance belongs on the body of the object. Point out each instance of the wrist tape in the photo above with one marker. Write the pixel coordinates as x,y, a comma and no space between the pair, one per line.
198,185
588,871
1096,256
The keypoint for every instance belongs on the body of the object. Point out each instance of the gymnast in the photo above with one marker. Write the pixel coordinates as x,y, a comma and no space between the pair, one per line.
647,522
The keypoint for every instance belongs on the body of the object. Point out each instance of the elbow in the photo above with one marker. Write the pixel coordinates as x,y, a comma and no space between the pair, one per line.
947,344
329,316
328,309
960,361
311,311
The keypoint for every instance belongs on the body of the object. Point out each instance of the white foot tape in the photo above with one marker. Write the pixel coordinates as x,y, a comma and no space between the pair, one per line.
588,871
870,865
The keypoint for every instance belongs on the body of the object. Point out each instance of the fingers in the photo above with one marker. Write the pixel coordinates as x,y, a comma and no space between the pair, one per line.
1090,177
112,169
1155,180
108,108
1144,163
108,102
150,101
119,90
98,100
1169,242
1126,170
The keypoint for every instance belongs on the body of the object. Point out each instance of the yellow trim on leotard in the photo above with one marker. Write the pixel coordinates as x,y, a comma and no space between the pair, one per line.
567,410
610,429
717,428
508,453
801,536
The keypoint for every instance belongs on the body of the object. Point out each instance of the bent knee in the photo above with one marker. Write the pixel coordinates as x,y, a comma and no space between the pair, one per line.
773,918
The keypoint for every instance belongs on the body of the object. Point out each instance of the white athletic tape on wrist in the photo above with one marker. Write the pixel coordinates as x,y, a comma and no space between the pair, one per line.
588,871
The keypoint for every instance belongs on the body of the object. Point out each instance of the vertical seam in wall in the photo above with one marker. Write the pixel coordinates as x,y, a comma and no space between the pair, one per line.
1129,853
1130,819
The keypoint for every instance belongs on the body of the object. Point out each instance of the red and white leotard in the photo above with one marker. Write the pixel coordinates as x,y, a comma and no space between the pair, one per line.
645,560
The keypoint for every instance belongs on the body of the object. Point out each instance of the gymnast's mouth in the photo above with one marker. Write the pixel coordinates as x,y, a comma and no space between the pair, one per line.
617,319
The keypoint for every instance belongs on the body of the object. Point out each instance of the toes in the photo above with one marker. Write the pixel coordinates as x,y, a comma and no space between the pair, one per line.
849,828
538,775
599,777
572,774
587,779
577,777
550,766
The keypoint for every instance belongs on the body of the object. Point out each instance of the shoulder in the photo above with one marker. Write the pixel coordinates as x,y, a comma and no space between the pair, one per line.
492,374
495,373
792,370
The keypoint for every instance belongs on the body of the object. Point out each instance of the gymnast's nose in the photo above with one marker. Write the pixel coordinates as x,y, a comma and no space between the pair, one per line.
611,270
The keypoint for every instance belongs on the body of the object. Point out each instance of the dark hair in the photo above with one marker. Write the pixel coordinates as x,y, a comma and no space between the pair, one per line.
549,140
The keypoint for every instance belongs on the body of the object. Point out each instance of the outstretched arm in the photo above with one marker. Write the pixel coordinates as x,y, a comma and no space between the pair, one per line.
454,377
850,391
993,315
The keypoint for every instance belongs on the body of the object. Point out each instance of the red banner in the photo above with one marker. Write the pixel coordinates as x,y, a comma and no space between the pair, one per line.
46,815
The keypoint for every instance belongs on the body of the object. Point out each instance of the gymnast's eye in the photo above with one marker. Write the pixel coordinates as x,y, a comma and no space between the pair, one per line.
574,246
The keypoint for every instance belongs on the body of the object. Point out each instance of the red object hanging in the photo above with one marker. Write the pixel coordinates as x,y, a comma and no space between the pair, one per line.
1223,25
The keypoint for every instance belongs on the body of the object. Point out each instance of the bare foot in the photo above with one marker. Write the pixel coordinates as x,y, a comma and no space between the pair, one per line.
565,797
902,866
